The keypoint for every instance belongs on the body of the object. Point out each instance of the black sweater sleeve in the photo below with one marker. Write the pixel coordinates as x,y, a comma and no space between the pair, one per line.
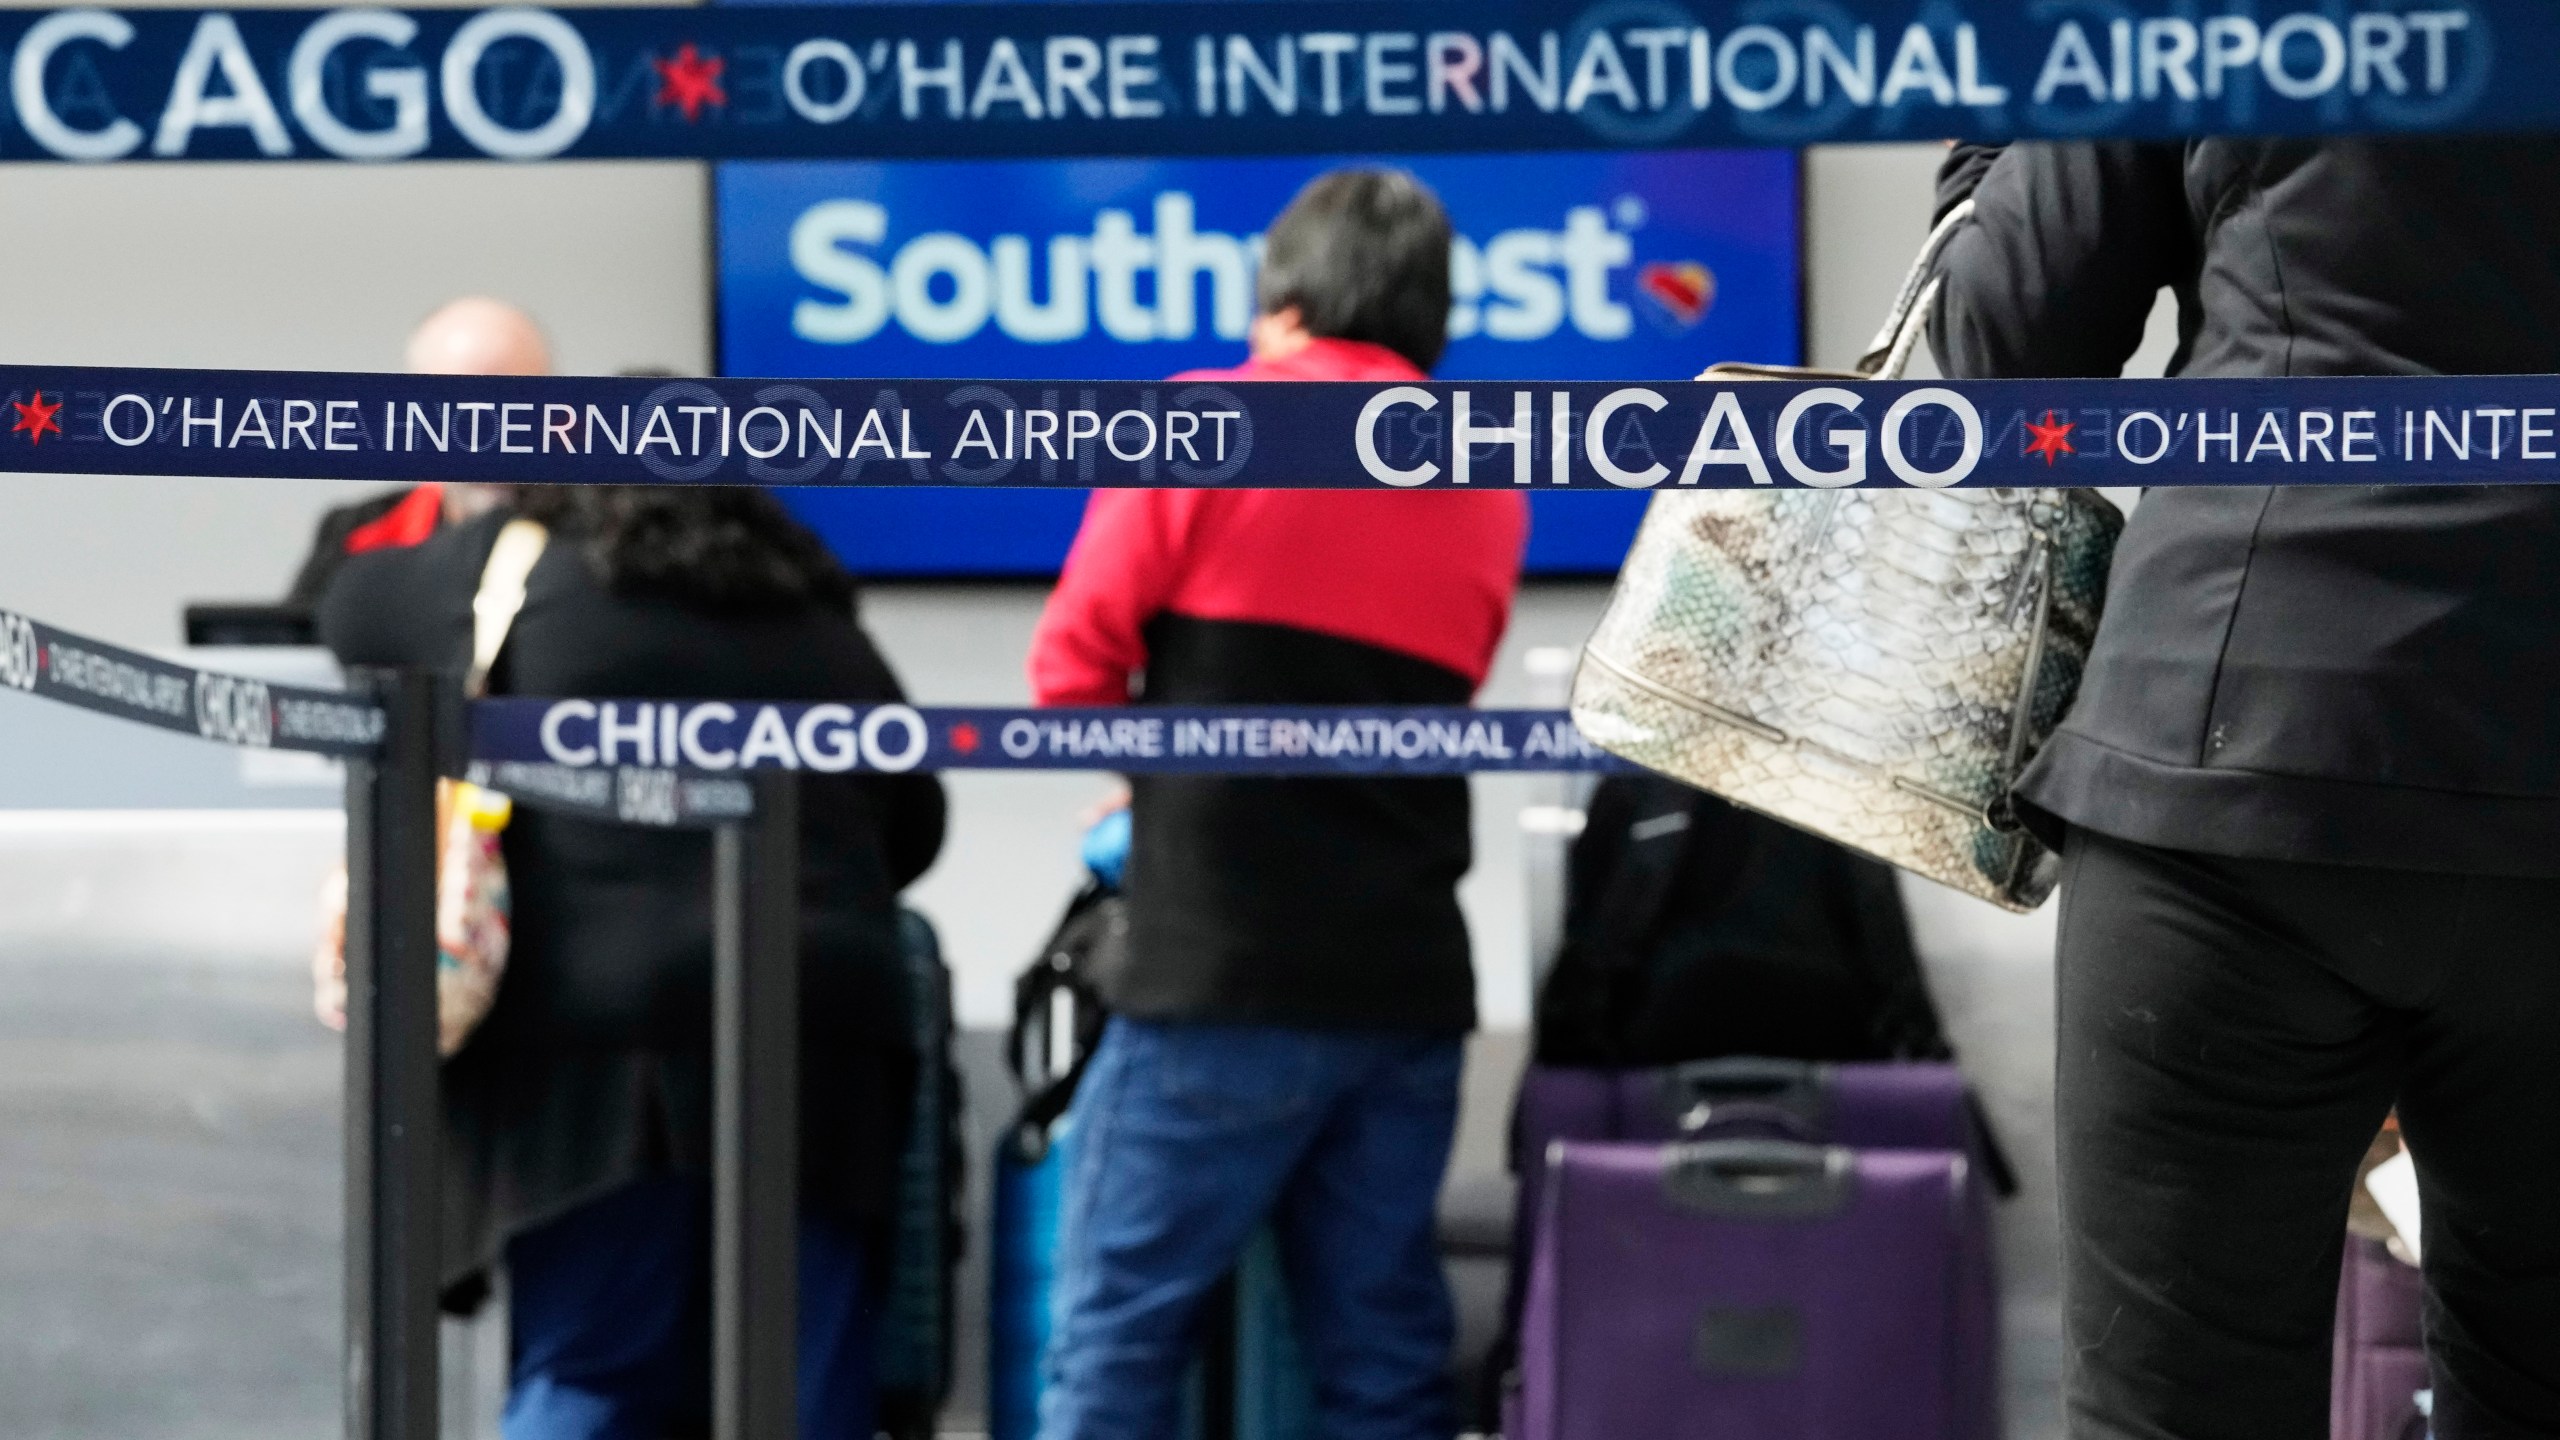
2067,249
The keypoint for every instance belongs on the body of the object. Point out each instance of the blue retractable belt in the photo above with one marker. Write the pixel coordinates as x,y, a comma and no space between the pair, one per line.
53,664
1482,435
597,737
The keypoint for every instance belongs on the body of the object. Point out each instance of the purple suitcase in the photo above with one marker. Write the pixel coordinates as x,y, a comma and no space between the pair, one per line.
1759,1288
1892,1105
2380,1364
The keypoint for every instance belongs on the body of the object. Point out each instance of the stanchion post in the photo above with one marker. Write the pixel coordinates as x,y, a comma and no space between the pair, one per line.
392,1262
756,1141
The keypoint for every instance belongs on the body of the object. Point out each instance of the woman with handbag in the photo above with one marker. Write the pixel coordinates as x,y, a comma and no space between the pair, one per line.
2308,796
577,1114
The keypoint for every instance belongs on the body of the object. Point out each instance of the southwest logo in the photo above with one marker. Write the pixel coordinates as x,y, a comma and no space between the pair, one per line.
1678,293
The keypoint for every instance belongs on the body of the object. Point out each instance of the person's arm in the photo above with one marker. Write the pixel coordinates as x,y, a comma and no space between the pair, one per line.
1127,558
2067,250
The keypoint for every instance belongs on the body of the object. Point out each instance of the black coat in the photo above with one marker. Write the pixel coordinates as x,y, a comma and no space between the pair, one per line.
2353,675
593,1068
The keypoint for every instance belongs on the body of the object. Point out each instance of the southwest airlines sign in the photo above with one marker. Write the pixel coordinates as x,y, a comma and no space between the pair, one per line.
1582,266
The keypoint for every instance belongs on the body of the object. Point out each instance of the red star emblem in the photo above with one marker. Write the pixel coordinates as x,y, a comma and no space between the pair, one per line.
964,738
690,81
2052,438
36,417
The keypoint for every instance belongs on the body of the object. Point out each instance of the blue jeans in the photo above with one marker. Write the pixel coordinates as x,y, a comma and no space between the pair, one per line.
609,1314
1188,1138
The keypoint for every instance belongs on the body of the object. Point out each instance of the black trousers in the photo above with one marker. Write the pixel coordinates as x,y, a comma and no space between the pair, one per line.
2232,1034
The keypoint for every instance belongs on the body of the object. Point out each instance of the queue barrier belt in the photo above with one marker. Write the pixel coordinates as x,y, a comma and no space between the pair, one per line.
51,663
1479,435
682,762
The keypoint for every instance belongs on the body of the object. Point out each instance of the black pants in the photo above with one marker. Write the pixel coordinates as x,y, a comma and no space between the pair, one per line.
2233,1033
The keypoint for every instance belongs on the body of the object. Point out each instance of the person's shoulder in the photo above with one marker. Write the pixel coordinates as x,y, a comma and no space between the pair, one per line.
398,604
448,554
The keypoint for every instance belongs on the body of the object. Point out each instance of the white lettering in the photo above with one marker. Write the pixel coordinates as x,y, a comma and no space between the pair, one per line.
1853,469
1595,445
405,86
1967,419
1724,416
827,740
217,42
461,76
112,141
1365,436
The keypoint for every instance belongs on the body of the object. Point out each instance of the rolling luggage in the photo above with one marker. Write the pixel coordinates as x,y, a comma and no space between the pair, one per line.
1030,1167
914,1358
2378,1377
1886,1104
1057,1021
1879,1105
1251,1383
1767,1288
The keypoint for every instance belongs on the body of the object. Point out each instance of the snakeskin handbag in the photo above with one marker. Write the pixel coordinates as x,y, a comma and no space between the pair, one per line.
1875,666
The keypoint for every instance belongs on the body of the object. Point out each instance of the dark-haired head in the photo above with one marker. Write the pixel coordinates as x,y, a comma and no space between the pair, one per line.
1363,255
728,548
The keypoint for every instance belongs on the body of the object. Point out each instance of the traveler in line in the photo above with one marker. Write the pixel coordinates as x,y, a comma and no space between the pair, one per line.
2310,785
474,335
1288,1021
577,1117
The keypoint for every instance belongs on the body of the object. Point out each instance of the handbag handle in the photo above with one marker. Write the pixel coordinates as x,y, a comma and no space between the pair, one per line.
493,610
1889,353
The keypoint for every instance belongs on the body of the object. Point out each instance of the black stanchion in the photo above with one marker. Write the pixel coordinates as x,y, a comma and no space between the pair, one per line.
756,1147
392,1256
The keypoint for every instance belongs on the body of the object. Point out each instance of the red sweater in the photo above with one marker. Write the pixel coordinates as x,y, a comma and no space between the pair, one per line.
1425,574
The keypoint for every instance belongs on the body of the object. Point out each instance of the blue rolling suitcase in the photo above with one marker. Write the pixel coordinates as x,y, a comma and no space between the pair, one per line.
1030,1170
1251,1383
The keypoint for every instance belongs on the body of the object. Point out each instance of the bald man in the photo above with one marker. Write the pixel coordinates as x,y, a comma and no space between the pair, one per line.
474,335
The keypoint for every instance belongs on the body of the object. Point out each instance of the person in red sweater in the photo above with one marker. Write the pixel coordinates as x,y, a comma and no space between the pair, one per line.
1289,1011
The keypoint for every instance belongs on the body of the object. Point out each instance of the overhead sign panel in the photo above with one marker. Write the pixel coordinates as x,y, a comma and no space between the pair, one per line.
1184,78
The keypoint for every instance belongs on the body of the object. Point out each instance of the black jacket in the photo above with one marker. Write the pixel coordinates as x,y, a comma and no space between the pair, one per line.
1299,901
593,1068
2353,675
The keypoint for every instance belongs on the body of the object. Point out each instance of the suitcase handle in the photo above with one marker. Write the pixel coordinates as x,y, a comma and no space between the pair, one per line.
1693,1093
1745,1119
1759,1179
